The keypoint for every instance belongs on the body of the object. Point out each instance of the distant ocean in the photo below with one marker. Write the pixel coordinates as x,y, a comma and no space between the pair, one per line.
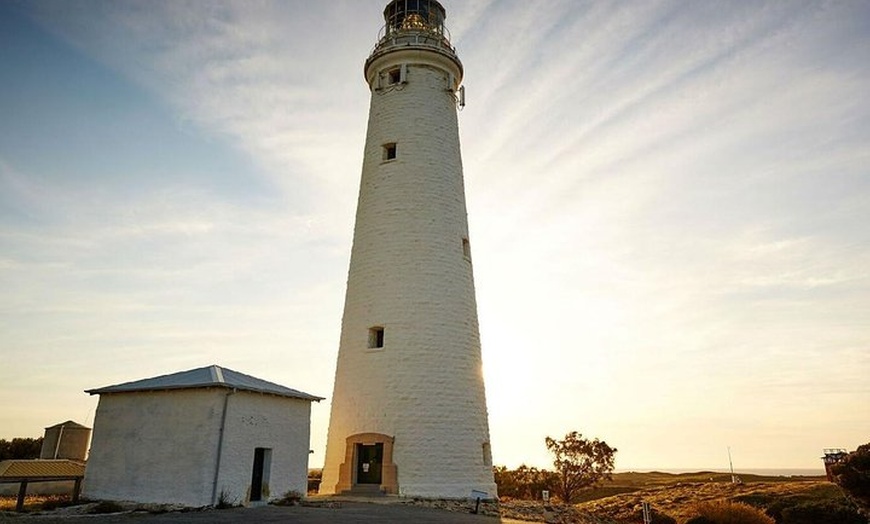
773,472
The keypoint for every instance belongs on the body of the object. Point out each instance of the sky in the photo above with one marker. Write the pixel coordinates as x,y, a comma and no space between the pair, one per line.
669,204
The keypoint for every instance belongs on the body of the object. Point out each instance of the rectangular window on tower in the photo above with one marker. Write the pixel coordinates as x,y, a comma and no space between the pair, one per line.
397,75
376,337
389,151
466,249
394,76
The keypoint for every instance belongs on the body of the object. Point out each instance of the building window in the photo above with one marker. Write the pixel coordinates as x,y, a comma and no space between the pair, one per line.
466,248
394,76
376,337
487,454
397,75
389,151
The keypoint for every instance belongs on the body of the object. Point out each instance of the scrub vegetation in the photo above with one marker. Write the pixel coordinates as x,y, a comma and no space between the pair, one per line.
722,512
20,448
583,488
673,497
853,475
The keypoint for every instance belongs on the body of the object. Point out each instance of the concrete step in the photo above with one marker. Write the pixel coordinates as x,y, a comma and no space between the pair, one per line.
364,490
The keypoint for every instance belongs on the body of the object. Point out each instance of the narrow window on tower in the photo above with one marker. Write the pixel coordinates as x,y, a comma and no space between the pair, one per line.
376,337
397,75
389,151
394,76
487,454
466,248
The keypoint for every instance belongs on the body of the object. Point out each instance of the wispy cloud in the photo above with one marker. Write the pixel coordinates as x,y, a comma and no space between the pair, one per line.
668,205
668,181
254,73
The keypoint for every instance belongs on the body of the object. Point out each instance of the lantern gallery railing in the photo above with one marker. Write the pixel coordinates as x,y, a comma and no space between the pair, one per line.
414,22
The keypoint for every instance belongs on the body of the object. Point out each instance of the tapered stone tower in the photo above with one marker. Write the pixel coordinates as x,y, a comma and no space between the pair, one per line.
409,409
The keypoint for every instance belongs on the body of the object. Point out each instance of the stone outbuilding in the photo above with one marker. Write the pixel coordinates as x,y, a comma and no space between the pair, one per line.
197,438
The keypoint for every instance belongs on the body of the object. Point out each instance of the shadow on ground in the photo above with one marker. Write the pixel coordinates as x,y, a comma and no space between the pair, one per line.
346,512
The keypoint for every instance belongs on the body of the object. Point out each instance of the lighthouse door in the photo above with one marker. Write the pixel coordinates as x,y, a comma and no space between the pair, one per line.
369,458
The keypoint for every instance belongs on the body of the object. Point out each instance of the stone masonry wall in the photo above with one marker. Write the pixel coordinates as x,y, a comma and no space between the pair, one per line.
410,275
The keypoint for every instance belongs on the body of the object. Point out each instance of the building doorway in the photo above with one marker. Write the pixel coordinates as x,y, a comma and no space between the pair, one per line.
368,465
369,461
260,474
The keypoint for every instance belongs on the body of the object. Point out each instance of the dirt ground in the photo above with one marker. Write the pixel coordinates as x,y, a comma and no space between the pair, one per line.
346,512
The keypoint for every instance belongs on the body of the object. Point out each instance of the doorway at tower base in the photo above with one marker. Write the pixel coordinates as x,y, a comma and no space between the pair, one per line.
368,465
369,470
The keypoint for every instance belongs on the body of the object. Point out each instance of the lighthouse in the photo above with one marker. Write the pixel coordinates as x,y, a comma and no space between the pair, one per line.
408,408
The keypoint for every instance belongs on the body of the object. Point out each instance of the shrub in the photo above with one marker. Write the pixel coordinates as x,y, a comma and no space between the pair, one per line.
525,482
727,513
823,504
853,476
55,502
291,498
821,513
315,475
225,500
107,506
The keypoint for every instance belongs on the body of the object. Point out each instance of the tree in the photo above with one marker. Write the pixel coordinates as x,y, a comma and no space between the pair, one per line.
853,476
580,463
20,448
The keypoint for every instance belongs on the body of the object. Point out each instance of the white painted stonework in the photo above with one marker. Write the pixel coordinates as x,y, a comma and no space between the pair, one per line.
162,446
411,274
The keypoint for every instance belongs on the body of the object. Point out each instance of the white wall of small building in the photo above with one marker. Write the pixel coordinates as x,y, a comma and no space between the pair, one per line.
162,447
265,421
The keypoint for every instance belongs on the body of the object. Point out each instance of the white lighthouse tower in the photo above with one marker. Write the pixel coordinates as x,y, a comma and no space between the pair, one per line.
409,409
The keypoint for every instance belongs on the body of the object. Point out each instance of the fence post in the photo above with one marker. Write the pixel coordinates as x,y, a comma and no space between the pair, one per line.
22,492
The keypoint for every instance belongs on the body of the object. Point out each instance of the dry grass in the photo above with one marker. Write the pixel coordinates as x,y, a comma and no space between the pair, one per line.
722,512
676,496
34,502
677,500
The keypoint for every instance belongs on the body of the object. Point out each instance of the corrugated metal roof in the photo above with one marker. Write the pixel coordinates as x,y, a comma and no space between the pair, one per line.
40,469
207,377
69,424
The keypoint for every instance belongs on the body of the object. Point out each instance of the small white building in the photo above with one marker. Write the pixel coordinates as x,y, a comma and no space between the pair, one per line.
197,438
